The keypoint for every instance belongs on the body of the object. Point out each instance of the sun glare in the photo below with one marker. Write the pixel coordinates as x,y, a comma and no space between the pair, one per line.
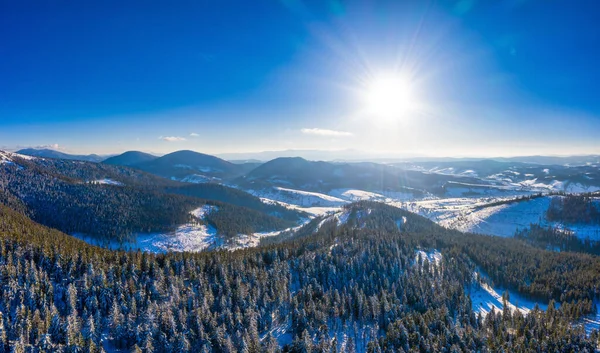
390,97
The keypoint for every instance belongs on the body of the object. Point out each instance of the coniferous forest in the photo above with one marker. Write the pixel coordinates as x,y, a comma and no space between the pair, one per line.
341,288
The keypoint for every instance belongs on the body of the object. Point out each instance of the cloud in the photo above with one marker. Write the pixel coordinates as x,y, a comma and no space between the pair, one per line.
54,146
172,138
325,132
193,134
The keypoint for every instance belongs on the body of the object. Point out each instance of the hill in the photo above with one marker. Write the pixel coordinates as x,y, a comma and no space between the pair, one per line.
115,203
192,166
340,289
130,158
48,153
298,173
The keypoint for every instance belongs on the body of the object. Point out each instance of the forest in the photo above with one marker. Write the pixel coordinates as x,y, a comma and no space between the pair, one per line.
574,209
338,289
64,195
557,239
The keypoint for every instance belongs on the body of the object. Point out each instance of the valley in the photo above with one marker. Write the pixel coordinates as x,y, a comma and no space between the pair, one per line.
436,239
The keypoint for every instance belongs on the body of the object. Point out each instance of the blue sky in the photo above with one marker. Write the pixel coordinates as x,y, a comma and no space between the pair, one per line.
491,78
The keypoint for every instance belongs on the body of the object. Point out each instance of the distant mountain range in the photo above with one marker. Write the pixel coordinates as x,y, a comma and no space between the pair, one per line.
348,155
442,177
118,201
183,165
48,153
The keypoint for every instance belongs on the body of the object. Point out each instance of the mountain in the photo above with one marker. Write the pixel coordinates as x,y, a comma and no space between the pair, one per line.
130,158
341,288
556,160
298,173
218,192
48,153
348,155
512,176
193,167
114,203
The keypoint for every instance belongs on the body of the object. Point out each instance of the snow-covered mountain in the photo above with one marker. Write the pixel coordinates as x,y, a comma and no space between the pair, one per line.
48,153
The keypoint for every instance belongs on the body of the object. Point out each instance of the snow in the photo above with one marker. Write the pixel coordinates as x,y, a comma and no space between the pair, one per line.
474,216
342,217
485,299
356,195
191,237
203,211
107,181
591,322
300,197
580,188
253,240
434,256
314,211
280,332
196,179
502,220
7,157
401,222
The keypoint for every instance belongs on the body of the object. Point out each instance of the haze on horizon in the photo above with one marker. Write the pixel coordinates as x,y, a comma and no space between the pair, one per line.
442,78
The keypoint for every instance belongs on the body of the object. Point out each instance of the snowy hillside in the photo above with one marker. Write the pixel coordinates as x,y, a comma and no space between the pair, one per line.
7,157
300,197
189,237
502,220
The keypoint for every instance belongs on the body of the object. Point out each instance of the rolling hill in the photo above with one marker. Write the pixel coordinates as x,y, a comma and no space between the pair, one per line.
189,166
114,202
298,173
130,158
48,153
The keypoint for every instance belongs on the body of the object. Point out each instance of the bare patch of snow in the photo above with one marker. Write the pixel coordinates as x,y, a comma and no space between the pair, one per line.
192,237
434,257
107,181
356,195
301,198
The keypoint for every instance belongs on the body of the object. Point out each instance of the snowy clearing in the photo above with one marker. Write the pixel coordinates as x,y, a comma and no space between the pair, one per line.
107,181
302,198
192,237
476,216
356,195
434,256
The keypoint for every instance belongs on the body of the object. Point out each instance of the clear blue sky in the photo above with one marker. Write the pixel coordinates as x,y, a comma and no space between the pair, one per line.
491,77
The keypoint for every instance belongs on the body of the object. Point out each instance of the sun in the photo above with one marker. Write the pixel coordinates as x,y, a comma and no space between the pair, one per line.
390,97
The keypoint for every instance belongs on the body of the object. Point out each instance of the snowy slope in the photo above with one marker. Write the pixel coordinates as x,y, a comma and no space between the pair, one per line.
434,256
356,195
474,215
7,157
502,220
485,298
300,197
189,237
